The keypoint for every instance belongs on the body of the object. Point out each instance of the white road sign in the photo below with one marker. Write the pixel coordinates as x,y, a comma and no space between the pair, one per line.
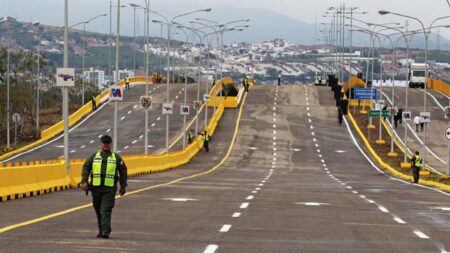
16,118
167,108
197,105
447,133
184,109
406,116
426,117
65,77
116,93
145,102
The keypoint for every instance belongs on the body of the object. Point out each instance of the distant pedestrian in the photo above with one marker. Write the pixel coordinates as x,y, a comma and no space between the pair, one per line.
416,122
279,80
398,118
191,136
340,115
127,82
416,164
245,84
384,110
94,103
205,140
422,123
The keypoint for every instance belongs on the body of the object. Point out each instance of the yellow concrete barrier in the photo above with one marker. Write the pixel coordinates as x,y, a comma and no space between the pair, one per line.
387,166
25,181
229,101
40,177
439,86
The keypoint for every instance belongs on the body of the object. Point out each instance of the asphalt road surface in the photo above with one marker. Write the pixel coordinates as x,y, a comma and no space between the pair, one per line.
294,181
84,137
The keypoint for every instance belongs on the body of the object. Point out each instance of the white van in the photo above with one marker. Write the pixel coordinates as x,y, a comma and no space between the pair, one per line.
417,75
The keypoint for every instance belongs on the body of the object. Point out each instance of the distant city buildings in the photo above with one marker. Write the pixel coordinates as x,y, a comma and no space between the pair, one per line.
95,76
122,74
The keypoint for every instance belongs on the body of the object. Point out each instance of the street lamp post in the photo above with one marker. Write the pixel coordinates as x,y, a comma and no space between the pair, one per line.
110,40
169,24
426,34
84,23
117,74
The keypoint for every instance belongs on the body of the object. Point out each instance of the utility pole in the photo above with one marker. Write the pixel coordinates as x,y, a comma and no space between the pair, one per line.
65,88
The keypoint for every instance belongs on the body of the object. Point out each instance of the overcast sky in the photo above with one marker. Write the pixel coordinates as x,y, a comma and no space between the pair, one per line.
51,11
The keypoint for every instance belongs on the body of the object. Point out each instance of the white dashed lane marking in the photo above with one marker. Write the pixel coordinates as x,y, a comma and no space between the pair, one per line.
244,205
225,228
420,234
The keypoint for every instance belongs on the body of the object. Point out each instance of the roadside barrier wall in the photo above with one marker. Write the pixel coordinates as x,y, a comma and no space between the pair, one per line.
24,179
387,166
439,86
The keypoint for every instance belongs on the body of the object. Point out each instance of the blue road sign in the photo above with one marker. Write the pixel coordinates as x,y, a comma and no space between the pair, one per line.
364,94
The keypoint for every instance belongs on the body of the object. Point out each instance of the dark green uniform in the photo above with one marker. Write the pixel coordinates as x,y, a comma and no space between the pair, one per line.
103,185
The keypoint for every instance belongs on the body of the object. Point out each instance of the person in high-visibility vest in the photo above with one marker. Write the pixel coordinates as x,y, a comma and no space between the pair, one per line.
246,84
105,168
416,164
127,82
94,103
191,136
205,140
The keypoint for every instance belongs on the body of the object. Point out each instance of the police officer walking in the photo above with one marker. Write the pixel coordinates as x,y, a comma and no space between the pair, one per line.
416,163
127,82
105,168
191,136
205,140
94,103
245,83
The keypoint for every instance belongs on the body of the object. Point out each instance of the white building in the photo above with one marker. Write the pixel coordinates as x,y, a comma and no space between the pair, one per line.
122,74
95,76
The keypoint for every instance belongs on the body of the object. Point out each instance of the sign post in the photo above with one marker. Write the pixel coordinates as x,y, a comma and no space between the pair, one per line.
206,99
145,102
16,119
447,134
116,94
65,78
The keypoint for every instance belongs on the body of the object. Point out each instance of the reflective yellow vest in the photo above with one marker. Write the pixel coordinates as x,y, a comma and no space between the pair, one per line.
206,137
127,79
418,161
111,167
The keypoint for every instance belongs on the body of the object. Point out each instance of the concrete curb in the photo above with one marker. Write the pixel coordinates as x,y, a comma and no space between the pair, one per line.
388,167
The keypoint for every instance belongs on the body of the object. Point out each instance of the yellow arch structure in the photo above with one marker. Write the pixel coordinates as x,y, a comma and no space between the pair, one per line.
229,87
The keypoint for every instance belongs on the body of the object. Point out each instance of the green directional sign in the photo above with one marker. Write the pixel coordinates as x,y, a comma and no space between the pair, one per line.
376,113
